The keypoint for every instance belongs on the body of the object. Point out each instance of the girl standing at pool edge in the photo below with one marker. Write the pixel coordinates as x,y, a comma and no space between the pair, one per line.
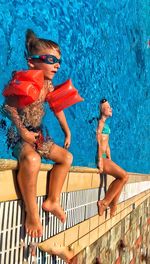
106,165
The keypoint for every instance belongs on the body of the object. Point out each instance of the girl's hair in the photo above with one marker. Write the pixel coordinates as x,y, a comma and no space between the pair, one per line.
104,100
34,44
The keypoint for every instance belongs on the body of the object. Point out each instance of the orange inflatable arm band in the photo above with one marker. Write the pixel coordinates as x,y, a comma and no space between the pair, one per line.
24,88
63,96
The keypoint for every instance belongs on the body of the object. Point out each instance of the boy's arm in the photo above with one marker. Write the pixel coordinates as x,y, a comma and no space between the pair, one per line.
13,114
26,135
64,125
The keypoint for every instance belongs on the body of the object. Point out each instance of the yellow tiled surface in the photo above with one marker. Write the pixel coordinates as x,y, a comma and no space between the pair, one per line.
79,178
86,233
79,181
94,222
84,228
72,236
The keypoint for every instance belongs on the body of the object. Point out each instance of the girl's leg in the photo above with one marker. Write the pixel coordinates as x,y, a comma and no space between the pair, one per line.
29,166
113,204
63,160
115,188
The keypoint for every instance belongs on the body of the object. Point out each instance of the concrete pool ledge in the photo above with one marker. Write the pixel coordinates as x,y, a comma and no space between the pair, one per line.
84,227
78,178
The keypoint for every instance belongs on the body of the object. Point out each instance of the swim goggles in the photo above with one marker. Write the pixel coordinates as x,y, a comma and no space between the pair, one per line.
48,59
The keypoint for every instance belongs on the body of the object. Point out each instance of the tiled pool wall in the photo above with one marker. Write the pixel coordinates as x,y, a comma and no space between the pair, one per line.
105,52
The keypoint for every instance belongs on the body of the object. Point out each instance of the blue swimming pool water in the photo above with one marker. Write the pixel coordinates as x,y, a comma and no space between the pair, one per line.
105,53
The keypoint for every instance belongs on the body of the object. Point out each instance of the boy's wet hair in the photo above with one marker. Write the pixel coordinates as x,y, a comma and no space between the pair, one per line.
34,44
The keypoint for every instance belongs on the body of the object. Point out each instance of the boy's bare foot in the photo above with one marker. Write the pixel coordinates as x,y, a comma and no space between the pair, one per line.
63,253
33,225
102,206
58,250
113,208
55,209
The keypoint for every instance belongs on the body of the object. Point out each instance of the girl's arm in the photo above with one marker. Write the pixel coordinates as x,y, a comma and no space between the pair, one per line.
108,152
98,136
64,125
26,135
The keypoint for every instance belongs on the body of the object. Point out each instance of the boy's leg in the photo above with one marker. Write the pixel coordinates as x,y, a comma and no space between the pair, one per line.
29,166
115,188
63,160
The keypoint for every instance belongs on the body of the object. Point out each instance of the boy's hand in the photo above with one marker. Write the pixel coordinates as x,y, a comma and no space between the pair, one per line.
67,141
29,136
100,165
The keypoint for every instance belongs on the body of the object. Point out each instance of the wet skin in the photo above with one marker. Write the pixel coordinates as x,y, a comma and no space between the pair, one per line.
30,160
107,166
